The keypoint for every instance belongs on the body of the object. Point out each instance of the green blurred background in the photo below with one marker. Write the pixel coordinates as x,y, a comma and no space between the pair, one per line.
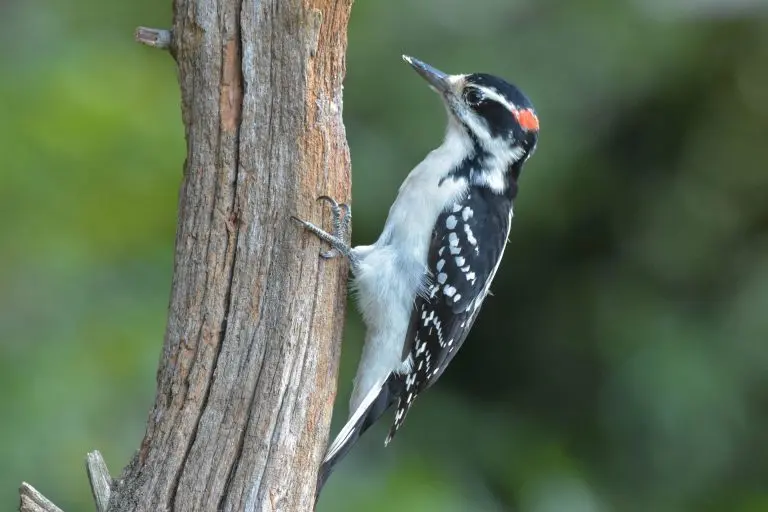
621,364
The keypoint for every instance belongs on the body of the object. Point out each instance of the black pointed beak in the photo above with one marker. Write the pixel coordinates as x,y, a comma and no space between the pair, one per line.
438,80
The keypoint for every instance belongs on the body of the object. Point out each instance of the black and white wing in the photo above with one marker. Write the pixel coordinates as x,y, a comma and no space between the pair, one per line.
466,247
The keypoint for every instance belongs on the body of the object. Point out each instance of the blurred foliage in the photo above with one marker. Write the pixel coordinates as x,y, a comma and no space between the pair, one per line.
621,364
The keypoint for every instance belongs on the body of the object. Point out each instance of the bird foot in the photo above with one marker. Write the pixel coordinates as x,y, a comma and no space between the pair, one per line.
341,215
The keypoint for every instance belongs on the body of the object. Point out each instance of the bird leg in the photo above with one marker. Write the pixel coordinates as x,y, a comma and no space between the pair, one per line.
341,215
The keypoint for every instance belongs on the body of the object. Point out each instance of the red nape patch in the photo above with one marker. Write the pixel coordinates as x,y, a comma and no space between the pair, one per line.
527,119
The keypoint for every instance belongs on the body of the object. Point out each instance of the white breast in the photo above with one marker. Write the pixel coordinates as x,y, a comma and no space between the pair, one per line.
392,270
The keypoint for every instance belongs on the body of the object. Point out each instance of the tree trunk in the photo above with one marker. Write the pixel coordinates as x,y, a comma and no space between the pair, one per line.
247,374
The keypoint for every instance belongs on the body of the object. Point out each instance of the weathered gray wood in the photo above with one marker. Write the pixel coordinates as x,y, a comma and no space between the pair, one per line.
155,37
33,501
247,375
99,478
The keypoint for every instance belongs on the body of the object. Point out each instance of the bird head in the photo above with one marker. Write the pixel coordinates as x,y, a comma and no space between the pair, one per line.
493,113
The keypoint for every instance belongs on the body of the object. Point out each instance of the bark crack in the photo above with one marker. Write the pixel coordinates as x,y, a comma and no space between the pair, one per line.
261,371
244,433
233,234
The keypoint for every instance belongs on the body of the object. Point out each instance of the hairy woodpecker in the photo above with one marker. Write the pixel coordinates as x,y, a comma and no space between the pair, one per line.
421,284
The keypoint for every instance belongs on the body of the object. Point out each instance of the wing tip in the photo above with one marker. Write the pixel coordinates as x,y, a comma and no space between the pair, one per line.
402,409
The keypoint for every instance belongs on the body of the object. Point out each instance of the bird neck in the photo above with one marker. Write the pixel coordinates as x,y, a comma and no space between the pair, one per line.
497,171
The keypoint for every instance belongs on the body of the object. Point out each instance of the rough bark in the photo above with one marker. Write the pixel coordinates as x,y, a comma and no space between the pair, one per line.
247,375
33,501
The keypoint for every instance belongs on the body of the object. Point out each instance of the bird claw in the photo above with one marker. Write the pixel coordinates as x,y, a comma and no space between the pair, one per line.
341,215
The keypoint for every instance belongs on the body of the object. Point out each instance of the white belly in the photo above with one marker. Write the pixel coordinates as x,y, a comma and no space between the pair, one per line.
392,270
385,295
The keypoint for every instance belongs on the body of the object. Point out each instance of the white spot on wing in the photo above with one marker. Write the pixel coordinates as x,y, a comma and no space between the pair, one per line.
449,290
450,222
470,235
453,239
442,277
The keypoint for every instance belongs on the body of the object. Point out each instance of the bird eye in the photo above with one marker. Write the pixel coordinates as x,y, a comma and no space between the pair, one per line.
472,96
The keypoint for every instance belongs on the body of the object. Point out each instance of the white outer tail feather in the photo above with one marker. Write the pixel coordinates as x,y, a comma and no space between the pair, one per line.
343,436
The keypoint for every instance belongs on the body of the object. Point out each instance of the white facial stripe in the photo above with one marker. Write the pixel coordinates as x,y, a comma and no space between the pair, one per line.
493,95
473,121
477,126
